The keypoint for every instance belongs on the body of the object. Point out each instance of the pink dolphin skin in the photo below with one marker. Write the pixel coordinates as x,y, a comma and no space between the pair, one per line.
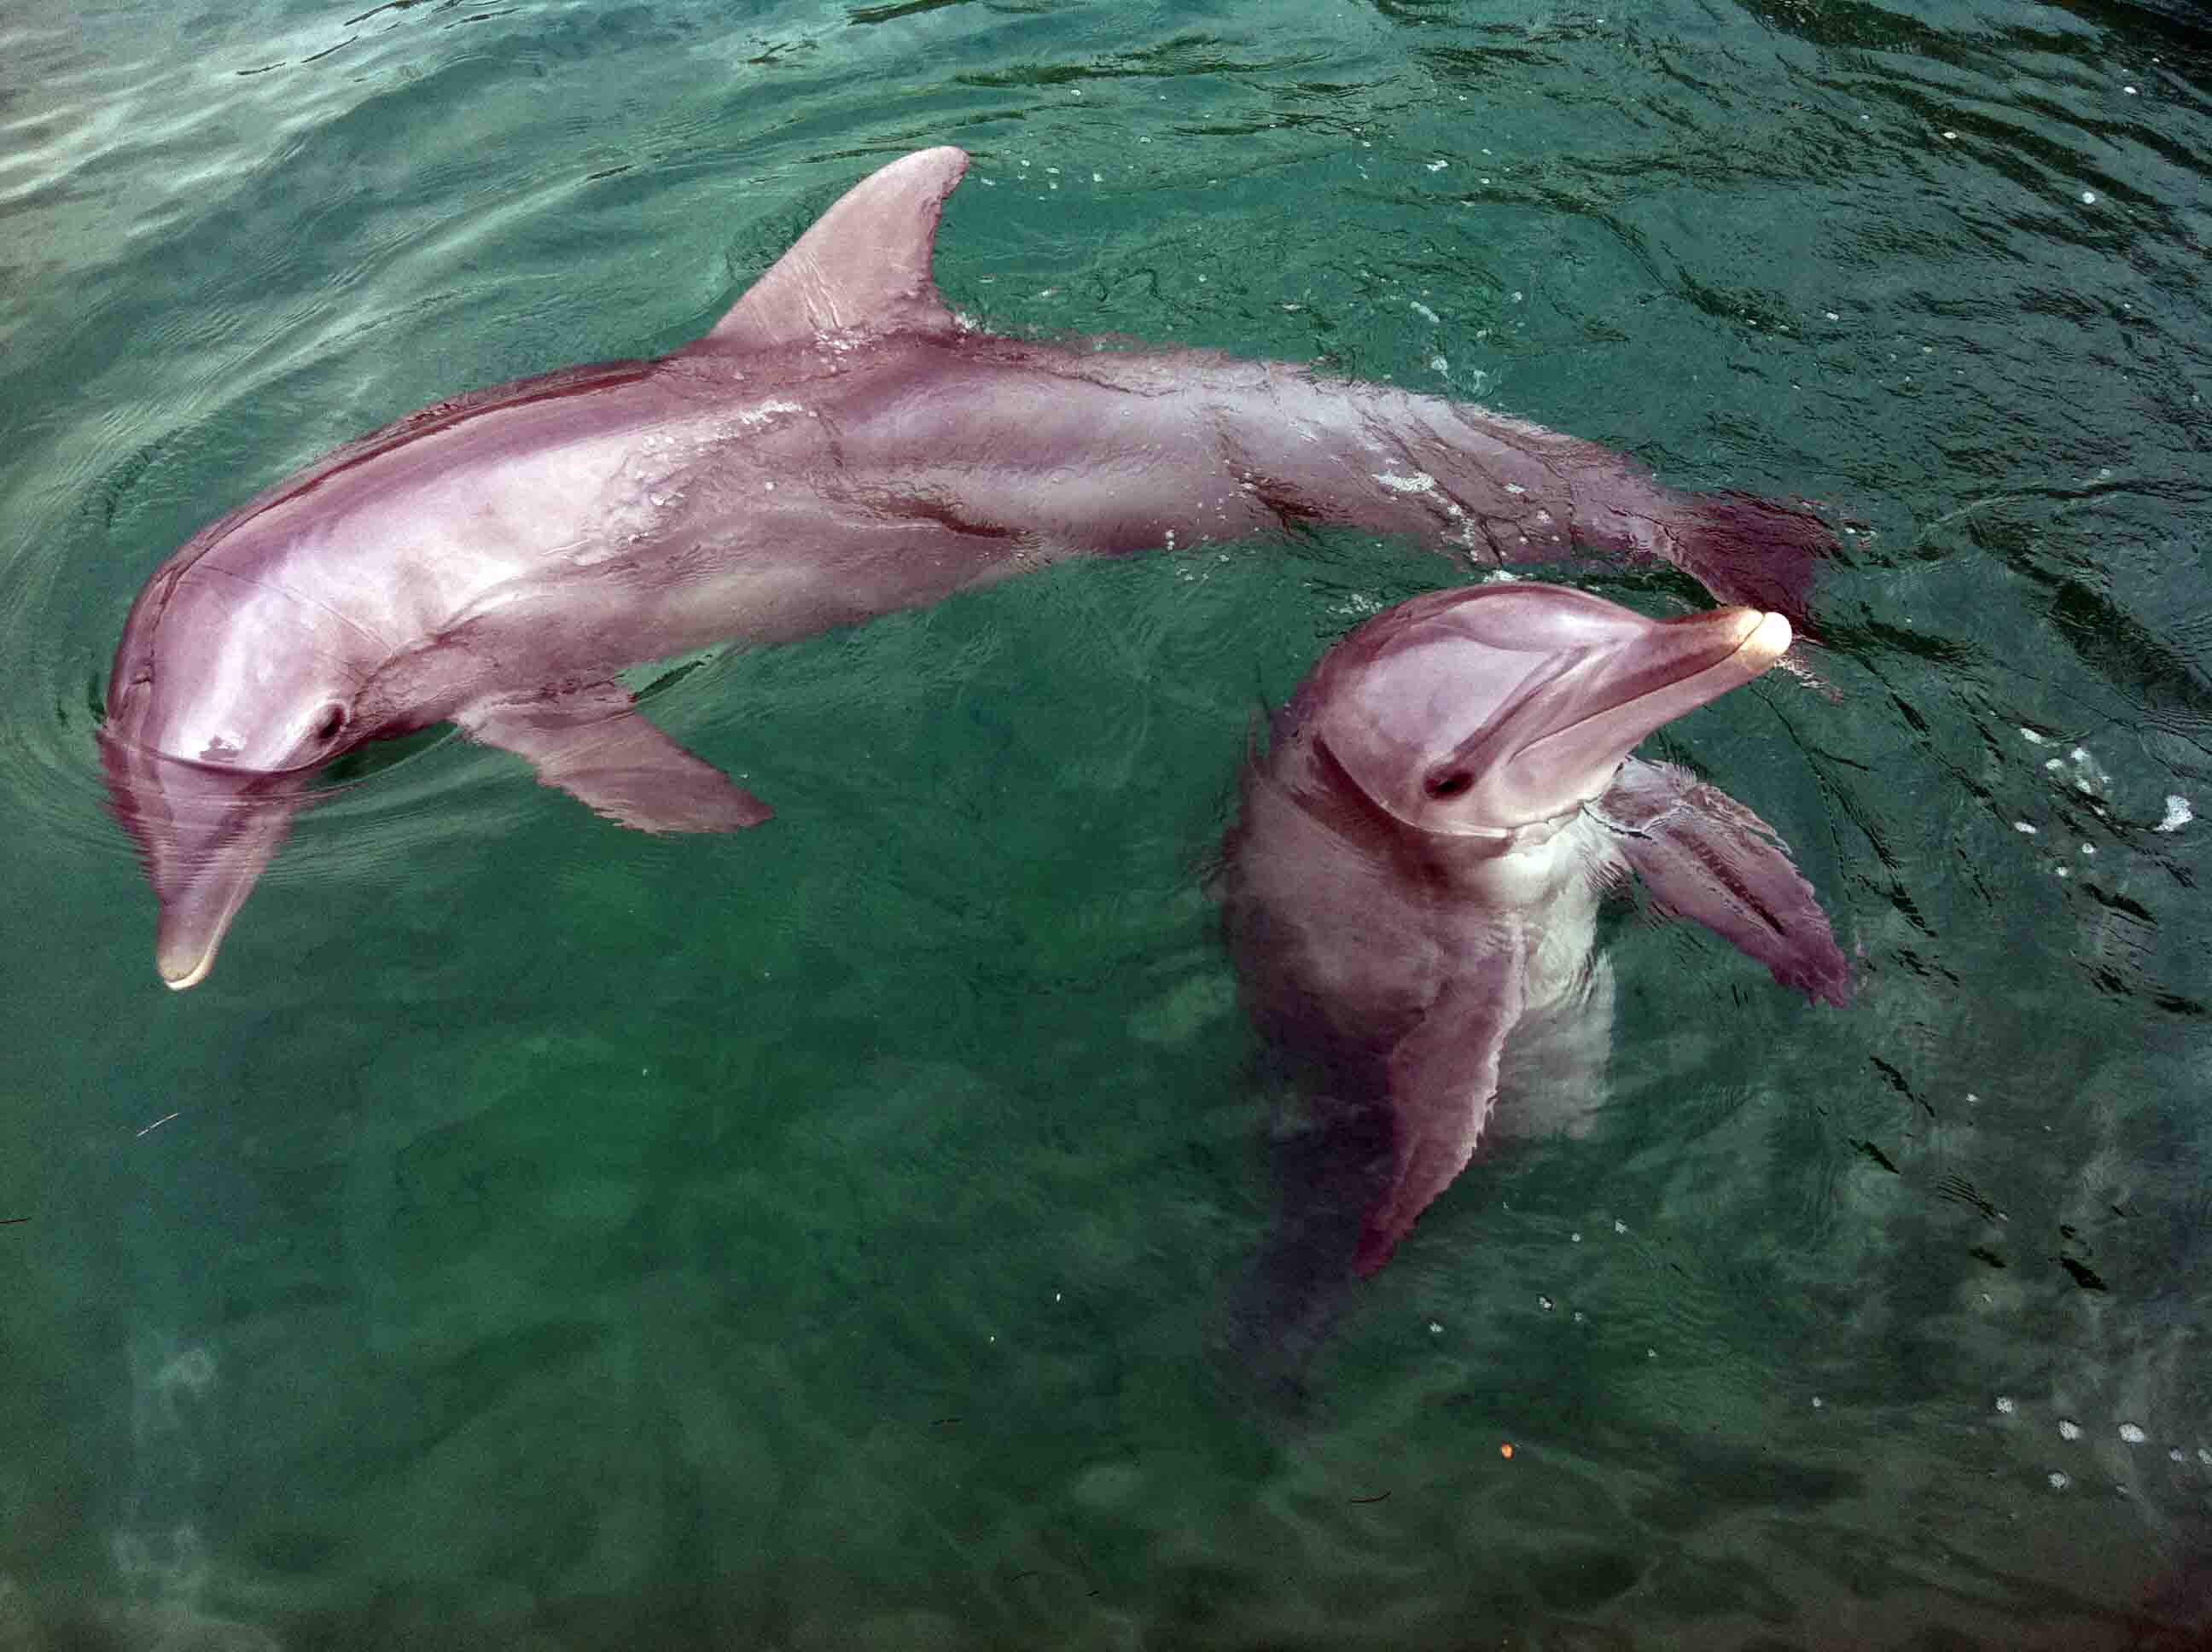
1415,873
838,446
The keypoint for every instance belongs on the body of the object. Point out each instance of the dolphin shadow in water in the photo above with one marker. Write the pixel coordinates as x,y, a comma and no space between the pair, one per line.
1410,896
839,446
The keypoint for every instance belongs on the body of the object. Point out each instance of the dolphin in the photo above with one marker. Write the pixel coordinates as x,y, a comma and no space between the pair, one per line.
840,444
1412,881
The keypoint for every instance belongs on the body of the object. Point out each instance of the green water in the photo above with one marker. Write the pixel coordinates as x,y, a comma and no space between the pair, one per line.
540,1236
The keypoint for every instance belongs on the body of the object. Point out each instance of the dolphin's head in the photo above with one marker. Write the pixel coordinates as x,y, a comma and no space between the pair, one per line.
228,694
1481,713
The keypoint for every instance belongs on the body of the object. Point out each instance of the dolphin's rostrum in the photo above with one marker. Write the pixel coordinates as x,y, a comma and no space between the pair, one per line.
1413,879
839,446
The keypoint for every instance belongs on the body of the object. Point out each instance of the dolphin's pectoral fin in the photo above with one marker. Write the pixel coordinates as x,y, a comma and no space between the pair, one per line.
593,745
1443,1081
1706,857
864,265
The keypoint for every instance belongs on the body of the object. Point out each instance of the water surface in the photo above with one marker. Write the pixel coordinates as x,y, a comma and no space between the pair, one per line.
542,1235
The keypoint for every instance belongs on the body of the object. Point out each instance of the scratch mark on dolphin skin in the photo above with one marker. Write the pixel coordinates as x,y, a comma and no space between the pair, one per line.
158,1123
13,1221
286,592
1377,1498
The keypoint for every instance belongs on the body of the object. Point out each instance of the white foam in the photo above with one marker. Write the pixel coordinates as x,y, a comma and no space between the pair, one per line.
765,411
2178,814
1419,483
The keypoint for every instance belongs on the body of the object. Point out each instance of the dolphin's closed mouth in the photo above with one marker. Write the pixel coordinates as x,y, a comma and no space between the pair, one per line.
192,928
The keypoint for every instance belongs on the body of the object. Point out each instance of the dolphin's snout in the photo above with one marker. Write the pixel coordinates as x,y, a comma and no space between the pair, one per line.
203,836
183,962
1766,638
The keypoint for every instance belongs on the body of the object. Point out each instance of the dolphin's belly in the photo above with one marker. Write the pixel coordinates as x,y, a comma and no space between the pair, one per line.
1550,897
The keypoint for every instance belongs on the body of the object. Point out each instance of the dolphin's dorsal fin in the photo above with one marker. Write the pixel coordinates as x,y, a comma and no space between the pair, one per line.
863,266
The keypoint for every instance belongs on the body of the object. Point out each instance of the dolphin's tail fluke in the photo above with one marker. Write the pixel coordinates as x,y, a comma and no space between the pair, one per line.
1763,553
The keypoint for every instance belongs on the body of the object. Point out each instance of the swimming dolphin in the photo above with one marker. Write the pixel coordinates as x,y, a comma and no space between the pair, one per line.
839,446
1414,876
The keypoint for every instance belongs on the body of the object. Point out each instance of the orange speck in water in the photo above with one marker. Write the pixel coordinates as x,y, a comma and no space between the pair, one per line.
1505,1450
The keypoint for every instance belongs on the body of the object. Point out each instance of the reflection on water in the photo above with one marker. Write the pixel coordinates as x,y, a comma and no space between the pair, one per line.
557,1238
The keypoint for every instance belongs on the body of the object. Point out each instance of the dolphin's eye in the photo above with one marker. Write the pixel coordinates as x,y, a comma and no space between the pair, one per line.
1450,784
333,720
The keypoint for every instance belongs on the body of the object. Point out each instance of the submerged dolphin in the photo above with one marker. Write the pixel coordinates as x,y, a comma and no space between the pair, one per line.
839,446
1414,876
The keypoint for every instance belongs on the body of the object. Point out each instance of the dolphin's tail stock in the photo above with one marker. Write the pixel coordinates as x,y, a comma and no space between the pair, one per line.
1534,495
1310,449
